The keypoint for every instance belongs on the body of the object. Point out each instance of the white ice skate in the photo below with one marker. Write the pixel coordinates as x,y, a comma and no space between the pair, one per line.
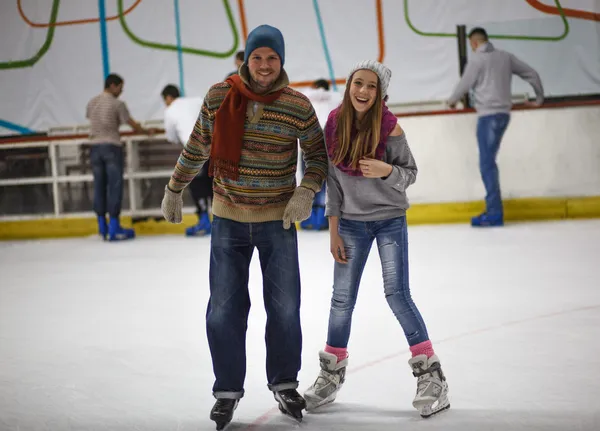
432,388
329,382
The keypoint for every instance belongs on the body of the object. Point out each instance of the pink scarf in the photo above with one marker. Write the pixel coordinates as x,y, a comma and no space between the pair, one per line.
388,122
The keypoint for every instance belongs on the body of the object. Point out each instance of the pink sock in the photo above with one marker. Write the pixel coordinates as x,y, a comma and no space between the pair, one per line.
424,348
340,352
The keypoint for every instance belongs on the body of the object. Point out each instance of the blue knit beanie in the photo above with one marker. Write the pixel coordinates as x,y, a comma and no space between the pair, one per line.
265,36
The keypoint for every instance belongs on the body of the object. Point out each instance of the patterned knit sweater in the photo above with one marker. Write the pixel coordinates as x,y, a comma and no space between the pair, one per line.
267,168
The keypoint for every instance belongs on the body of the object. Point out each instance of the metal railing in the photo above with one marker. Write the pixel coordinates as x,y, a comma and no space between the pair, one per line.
133,173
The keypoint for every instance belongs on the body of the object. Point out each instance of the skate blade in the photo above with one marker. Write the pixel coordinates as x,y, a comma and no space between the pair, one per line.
296,416
311,406
433,413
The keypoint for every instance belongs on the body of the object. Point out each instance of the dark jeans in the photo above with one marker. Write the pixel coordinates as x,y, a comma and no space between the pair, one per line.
490,129
201,190
392,241
321,195
107,167
232,245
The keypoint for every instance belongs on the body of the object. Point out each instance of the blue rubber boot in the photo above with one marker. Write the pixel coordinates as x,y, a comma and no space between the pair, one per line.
317,219
203,227
118,233
320,222
102,227
308,223
488,220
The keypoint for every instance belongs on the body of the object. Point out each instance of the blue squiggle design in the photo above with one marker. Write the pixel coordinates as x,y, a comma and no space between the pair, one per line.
179,51
324,42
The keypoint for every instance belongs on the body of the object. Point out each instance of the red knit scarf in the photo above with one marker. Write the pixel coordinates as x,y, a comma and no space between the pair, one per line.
228,129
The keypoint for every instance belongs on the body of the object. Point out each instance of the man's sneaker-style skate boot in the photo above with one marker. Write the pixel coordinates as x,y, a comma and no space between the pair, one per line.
432,388
330,380
222,412
291,403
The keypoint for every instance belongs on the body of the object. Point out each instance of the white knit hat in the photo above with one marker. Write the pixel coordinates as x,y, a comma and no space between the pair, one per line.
382,72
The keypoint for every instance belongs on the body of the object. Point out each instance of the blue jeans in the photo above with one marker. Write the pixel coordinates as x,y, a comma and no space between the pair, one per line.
107,168
232,245
490,129
392,241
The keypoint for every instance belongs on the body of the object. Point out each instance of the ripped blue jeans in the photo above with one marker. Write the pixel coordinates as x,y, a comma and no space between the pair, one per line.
392,242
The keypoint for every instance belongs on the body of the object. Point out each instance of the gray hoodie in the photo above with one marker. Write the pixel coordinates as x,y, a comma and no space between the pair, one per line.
489,72
371,199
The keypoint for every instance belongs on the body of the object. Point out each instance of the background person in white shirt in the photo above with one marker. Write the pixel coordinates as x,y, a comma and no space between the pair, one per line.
179,118
324,101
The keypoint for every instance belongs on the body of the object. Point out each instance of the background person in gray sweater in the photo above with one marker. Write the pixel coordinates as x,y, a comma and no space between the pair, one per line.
370,168
489,73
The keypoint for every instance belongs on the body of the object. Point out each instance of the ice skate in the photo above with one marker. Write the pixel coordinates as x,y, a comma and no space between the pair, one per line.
432,388
222,412
291,403
329,382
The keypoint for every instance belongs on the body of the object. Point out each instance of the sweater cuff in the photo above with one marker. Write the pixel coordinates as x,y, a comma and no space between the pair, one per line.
393,179
332,211
310,185
172,186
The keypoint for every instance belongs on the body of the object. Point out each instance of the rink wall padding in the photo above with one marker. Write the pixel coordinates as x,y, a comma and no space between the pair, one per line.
81,227
517,210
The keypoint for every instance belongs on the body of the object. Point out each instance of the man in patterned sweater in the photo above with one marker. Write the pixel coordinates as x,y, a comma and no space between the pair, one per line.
249,127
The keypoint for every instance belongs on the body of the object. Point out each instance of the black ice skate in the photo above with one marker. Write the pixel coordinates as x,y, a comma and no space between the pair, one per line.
222,412
291,403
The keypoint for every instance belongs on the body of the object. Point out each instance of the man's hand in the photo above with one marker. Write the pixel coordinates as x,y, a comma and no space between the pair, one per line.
530,104
171,206
372,168
299,206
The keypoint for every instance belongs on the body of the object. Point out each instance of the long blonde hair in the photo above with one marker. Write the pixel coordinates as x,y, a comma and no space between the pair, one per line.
367,133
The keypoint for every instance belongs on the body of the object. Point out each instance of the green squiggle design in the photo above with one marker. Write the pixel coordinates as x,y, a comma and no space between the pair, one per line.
495,36
49,36
185,49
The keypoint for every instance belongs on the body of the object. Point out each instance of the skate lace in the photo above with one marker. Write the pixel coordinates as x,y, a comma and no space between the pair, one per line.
324,378
427,376
423,382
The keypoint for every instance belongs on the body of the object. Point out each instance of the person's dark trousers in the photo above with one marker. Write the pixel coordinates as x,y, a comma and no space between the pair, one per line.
490,129
107,168
201,190
232,246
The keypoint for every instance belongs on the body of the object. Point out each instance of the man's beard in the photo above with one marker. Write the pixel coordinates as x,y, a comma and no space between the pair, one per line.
259,88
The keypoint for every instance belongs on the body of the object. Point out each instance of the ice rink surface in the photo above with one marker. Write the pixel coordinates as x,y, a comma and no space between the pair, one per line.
104,336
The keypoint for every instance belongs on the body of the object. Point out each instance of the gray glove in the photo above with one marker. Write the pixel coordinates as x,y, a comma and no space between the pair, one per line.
299,207
171,206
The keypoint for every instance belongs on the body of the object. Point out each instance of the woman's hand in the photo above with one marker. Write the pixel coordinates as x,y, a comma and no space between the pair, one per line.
337,248
373,168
